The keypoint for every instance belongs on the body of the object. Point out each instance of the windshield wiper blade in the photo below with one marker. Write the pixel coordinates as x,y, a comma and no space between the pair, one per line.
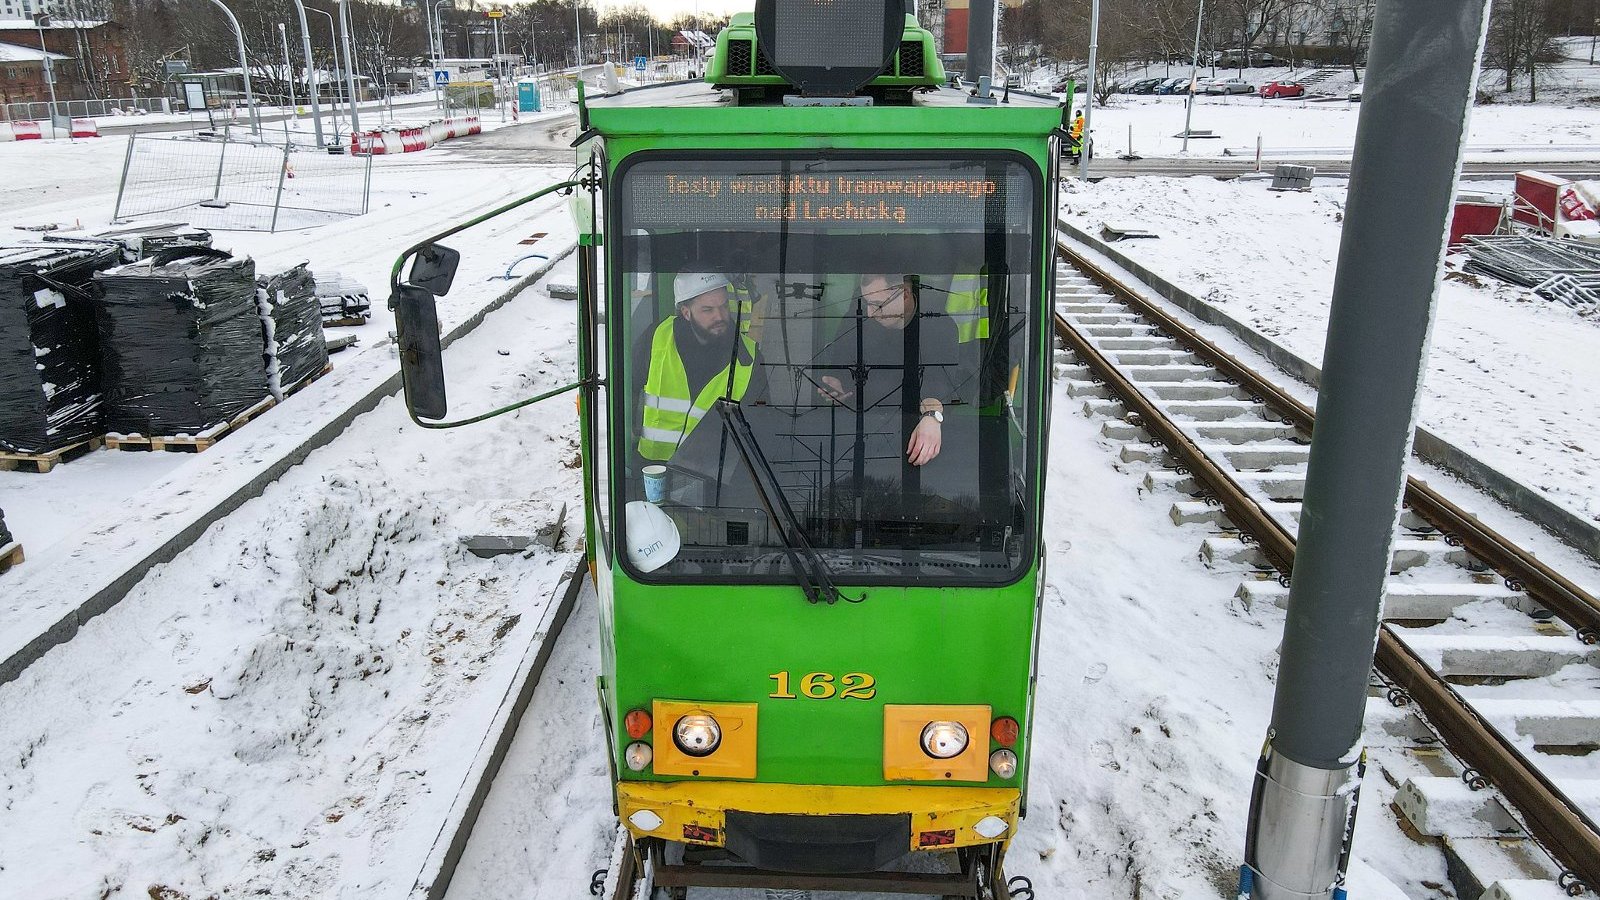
816,579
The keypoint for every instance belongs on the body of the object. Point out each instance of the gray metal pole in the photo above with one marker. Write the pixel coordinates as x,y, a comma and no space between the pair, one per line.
1407,158
288,72
311,76
980,40
244,66
1085,142
1194,76
333,45
49,71
349,69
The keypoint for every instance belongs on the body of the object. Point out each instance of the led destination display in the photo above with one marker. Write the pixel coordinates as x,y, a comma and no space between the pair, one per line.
878,194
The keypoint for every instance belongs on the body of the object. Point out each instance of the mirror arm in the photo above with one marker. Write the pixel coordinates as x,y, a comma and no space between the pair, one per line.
399,264
501,411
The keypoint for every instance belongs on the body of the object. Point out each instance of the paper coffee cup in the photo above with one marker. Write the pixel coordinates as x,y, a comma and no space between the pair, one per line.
655,483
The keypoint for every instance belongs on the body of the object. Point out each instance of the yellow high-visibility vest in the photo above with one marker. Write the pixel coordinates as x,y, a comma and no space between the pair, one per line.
968,307
670,415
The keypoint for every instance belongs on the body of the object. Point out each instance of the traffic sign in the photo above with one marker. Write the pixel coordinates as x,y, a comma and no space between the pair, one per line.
441,77
496,14
639,63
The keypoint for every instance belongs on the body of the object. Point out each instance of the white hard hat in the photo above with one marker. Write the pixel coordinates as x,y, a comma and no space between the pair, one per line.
689,285
653,539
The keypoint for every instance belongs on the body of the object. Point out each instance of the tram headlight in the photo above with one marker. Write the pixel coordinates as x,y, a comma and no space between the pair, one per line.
697,735
638,756
1003,762
944,740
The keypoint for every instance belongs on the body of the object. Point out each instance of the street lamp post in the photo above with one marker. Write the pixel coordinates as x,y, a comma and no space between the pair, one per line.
244,66
288,69
311,76
1194,75
40,20
438,54
349,68
1085,142
577,18
333,37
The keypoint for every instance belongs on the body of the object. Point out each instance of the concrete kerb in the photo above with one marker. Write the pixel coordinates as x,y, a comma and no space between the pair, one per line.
111,593
1428,446
433,881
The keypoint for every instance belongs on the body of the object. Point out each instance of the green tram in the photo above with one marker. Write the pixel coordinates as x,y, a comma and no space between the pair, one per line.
814,309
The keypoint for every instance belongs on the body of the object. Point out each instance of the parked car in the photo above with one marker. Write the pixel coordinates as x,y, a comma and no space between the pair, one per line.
1173,86
1355,94
1261,59
1227,86
1274,89
1144,86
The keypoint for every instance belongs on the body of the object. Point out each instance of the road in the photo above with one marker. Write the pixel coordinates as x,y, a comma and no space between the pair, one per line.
137,124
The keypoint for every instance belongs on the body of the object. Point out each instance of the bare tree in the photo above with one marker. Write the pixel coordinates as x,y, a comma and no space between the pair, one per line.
1349,24
1522,42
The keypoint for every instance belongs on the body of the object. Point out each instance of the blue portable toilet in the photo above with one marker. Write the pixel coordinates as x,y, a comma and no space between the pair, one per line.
527,96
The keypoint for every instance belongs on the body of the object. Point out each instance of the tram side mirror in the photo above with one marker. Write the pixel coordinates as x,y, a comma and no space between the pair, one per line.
416,322
435,269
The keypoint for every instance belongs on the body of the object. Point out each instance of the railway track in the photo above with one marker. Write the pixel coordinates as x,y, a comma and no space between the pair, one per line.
1492,648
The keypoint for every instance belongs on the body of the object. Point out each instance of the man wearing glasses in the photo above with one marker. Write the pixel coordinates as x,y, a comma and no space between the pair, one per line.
892,357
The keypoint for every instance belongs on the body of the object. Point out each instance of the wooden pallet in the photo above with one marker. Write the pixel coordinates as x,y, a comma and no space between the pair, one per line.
306,381
44,462
344,321
189,443
10,555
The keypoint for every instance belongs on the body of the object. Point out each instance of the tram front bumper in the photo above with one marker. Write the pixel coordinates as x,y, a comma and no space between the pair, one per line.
777,821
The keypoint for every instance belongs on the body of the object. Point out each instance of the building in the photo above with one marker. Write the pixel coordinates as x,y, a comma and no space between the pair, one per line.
22,9
22,74
97,57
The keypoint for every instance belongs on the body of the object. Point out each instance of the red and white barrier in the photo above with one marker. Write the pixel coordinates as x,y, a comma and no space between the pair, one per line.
85,128
24,130
410,140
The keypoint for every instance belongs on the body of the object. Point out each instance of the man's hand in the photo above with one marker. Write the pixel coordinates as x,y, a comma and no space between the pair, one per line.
833,389
925,441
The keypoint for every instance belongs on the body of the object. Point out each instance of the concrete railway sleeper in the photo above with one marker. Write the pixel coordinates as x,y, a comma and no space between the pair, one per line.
1248,467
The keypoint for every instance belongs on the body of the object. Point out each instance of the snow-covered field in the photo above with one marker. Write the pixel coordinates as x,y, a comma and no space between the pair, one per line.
1510,374
1565,124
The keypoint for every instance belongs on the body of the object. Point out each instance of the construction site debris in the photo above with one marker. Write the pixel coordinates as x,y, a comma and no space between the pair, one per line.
181,339
49,353
291,321
344,301
1561,270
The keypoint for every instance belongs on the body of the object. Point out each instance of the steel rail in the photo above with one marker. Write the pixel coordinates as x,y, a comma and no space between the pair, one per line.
1552,819
1522,570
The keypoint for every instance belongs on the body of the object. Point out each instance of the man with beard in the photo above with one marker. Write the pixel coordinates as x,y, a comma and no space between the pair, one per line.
688,362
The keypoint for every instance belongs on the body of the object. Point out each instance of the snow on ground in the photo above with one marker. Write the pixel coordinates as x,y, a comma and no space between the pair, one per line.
1510,374
287,708
412,196
1565,123
1154,692
1302,127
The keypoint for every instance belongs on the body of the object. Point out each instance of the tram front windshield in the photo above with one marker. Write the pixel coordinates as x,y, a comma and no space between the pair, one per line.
832,311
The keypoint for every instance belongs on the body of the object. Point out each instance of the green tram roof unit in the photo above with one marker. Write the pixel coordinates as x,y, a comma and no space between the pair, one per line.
740,63
695,109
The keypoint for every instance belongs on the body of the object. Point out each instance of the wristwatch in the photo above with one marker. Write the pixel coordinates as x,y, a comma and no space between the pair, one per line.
935,414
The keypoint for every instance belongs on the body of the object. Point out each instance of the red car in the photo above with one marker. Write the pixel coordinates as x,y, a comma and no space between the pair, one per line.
1274,89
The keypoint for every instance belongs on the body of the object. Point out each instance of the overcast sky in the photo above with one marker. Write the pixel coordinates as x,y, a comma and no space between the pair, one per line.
668,9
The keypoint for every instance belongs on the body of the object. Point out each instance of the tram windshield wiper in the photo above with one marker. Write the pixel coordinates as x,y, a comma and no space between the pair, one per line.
814,575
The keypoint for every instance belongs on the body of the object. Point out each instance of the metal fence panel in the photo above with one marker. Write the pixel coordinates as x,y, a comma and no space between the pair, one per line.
39,111
226,184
